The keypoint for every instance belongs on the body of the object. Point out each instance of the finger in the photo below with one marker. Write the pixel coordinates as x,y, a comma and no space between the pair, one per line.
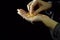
34,3
22,13
28,6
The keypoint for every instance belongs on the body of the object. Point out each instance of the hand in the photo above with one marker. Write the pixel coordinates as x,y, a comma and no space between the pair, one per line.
42,6
28,17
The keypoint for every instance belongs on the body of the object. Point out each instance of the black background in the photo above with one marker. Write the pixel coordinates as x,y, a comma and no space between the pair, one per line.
19,28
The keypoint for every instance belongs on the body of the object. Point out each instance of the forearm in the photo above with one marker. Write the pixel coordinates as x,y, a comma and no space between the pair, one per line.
49,22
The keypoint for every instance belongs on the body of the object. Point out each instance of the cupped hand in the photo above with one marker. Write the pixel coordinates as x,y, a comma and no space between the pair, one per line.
28,17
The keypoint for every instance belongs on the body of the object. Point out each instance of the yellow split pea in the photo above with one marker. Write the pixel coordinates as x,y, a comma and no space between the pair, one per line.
30,14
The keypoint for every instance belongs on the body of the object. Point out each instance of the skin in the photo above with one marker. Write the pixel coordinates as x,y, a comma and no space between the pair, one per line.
35,16
42,6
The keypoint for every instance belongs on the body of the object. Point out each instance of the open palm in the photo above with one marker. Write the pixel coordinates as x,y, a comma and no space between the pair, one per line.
28,17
